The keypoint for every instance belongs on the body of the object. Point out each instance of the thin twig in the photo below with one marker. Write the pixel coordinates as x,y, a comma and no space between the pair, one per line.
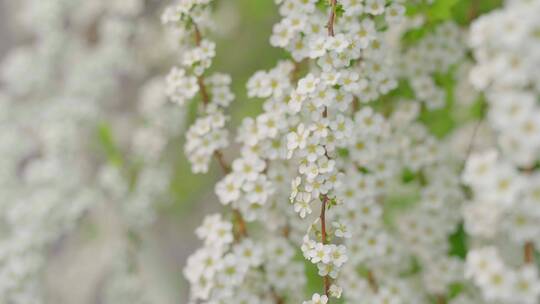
295,74
332,18
324,203
197,33
222,163
325,199
218,155
528,253
204,92
372,281
441,299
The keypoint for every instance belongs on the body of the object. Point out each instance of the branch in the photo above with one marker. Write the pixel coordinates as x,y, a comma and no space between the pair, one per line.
528,253
204,92
324,201
197,33
372,281
221,161
332,18
239,222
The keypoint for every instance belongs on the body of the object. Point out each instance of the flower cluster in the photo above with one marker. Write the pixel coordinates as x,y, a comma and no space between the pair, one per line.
350,67
498,281
188,21
319,140
223,271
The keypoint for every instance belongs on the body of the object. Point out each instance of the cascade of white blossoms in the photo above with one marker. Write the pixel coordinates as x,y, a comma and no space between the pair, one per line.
190,21
503,214
342,157
231,266
332,130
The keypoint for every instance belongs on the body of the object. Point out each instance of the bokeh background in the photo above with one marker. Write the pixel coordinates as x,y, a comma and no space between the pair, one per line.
77,261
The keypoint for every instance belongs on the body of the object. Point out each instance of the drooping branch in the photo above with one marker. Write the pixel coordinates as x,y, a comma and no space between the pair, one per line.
239,222
240,226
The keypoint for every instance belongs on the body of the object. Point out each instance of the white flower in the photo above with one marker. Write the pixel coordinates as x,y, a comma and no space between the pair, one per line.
228,189
317,47
248,168
307,84
295,102
337,43
340,230
335,291
395,13
338,255
181,87
317,299
297,139
302,204
375,7
321,253
258,190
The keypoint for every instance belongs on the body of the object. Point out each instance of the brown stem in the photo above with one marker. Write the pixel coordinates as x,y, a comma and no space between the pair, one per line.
327,286
242,230
286,231
295,74
332,18
473,11
204,92
200,80
240,224
197,33
323,218
221,161
441,299
277,298
372,281
324,200
205,97
528,253
355,104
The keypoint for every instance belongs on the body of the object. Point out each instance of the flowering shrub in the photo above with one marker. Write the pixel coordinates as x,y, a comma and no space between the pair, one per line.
324,132
395,158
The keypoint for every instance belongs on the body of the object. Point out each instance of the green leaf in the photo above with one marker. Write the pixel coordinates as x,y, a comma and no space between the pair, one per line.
455,289
108,144
458,242
441,10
